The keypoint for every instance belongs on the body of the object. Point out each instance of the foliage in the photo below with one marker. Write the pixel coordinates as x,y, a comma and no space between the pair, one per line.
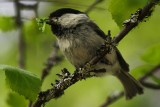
152,55
28,85
21,81
15,100
152,58
41,23
122,9
6,23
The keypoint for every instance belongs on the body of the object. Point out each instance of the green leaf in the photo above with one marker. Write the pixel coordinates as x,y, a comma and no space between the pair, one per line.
7,23
31,31
41,23
15,100
21,81
152,55
121,10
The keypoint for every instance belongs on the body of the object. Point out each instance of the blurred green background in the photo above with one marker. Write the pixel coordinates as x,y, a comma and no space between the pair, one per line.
87,93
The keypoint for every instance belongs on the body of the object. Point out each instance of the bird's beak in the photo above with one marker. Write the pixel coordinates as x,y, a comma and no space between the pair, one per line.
51,21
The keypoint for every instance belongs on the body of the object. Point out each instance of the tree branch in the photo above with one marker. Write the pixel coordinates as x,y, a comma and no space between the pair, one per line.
22,44
150,85
149,74
28,6
135,19
113,98
51,61
68,79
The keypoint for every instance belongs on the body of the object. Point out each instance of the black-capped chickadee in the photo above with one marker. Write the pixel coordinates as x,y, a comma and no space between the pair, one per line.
79,37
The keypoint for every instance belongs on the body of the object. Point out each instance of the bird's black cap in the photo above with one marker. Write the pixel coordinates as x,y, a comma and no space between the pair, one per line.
62,11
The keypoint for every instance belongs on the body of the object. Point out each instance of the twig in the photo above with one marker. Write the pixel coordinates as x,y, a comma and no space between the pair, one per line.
22,45
149,74
142,13
92,6
112,99
51,61
150,85
28,6
69,79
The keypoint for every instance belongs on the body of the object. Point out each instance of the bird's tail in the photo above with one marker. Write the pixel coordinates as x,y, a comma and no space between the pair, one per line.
131,86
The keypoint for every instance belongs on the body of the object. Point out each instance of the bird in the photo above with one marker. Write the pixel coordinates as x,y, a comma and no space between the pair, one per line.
79,37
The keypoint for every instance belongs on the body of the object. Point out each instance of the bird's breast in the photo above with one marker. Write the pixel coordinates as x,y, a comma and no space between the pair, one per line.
76,51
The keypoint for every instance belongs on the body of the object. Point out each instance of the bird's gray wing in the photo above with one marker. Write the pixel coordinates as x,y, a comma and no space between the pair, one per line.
121,60
97,29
